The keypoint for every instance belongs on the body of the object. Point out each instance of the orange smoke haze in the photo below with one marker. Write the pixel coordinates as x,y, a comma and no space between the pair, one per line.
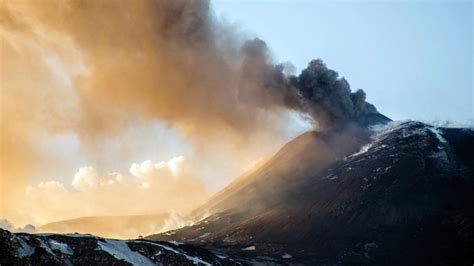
94,69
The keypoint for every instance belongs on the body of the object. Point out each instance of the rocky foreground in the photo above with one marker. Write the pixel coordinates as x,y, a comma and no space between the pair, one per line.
78,249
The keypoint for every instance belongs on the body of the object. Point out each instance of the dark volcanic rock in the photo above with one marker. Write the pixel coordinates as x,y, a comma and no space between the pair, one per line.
76,249
404,198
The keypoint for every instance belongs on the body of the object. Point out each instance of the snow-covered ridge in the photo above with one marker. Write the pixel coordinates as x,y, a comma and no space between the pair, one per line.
91,250
380,133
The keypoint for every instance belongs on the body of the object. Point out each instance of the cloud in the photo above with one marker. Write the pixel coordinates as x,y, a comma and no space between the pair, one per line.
169,186
7,225
85,178
173,168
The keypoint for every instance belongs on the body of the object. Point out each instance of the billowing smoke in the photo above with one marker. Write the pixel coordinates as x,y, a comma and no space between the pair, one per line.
318,91
328,98
96,68
170,60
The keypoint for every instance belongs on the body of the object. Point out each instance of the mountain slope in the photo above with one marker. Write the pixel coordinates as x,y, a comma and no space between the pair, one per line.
405,198
300,157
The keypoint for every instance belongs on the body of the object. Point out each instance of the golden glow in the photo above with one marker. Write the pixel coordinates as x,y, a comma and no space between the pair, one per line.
93,70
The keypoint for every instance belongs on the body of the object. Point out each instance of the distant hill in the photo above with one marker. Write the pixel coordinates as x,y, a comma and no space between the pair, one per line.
112,226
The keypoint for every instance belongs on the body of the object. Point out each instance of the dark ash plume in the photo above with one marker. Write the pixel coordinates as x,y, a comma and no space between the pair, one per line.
327,98
317,91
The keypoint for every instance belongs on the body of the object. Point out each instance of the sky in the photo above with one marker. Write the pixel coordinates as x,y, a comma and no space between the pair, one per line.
112,120
414,59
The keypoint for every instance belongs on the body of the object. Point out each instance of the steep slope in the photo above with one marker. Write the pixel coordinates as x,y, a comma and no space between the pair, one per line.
110,226
302,156
76,249
405,198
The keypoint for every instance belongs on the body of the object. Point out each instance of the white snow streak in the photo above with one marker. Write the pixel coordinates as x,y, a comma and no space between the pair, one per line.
24,250
195,260
249,248
120,250
61,247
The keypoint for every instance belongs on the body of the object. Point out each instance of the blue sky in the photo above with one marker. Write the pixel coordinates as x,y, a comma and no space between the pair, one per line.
413,58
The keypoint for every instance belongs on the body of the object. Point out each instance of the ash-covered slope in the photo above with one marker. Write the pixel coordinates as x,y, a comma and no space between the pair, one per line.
76,249
404,198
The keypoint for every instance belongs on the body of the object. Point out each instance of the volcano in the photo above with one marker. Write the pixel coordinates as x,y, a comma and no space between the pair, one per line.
370,193
399,193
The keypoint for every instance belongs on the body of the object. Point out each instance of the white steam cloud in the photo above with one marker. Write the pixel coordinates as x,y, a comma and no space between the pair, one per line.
167,186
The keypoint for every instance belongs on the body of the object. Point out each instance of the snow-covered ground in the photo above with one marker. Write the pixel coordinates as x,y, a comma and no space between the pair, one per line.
121,251
250,248
194,259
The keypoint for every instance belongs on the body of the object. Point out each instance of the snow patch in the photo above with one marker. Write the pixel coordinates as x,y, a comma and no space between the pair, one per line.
120,250
24,250
46,247
380,133
249,248
287,256
205,235
438,135
61,247
195,260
